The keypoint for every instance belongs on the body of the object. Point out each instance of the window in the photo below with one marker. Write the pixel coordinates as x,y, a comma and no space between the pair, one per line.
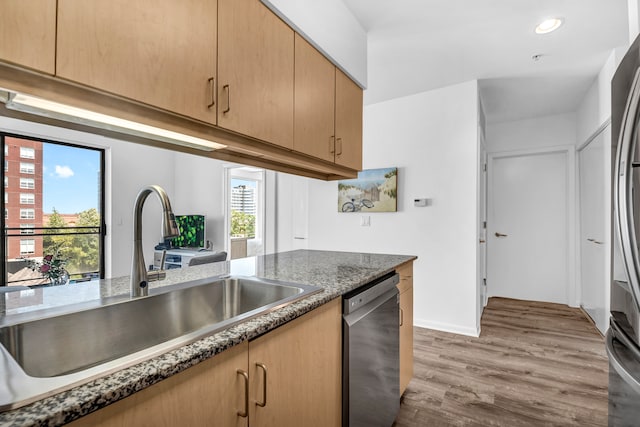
27,168
245,211
27,213
6,214
27,246
27,199
6,165
6,150
28,183
27,228
59,212
27,153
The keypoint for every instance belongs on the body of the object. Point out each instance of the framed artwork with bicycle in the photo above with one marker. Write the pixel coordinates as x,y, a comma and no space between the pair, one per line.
375,190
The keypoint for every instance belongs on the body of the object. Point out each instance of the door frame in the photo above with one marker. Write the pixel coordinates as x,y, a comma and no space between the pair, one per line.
608,211
572,223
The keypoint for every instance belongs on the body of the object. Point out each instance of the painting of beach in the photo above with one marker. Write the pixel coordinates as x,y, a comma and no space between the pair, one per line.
375,190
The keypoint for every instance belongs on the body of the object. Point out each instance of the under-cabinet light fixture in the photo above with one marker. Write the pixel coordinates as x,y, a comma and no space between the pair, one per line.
54,110
549,25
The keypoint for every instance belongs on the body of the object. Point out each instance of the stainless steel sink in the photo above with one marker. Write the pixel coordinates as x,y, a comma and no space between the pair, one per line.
119,335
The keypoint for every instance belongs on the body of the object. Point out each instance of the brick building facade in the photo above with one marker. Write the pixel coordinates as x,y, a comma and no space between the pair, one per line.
23,173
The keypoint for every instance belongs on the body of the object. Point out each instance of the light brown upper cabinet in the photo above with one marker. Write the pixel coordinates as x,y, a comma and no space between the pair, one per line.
348,122
255,70
328,109
314,128
28,33
159,52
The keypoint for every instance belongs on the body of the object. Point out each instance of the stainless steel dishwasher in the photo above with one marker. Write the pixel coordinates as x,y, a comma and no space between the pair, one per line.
371,354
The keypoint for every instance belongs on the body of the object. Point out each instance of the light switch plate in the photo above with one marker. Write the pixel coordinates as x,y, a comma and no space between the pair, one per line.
365,221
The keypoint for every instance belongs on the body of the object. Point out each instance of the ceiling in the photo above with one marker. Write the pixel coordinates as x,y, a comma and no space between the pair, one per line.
420,45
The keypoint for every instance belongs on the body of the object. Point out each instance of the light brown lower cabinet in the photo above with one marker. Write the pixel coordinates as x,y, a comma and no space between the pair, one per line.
293,374
303,361
405,287
210,390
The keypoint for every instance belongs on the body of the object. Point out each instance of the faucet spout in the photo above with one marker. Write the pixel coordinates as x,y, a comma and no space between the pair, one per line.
139,277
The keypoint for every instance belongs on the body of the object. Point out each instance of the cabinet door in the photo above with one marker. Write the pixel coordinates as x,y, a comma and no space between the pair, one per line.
405,288
348,122
211,392
314,102
303,363
28,33
159,52
255,68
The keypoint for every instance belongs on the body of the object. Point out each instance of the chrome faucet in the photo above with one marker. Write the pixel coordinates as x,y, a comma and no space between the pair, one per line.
139,276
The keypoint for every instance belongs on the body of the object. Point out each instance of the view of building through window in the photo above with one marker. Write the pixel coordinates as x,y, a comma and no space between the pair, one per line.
244,207
53,204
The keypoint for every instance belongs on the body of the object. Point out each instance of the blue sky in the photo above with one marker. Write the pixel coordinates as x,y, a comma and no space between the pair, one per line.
236,182
70,178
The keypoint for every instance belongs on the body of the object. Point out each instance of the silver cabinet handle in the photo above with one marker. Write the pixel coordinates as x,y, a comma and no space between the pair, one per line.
339,142
244,413
264,386
332,144
401,317
501,235
228,89
212,83
624,189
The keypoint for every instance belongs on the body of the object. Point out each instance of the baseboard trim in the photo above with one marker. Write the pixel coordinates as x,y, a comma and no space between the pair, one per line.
447,327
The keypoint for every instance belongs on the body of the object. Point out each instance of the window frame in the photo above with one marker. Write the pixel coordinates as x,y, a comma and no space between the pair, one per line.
27,213
32,156
28,168
33,246
101,234
29,187
27,199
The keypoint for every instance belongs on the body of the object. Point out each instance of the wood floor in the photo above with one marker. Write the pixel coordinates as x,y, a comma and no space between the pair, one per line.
535,364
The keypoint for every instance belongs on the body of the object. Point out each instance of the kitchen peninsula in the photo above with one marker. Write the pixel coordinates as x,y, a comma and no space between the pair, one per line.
336,273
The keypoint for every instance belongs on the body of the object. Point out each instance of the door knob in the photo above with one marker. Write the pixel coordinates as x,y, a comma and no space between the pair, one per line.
500,234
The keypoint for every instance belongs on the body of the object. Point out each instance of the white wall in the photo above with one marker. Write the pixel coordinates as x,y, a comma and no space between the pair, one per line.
634,19
131,167
539,132
199,189
432,138
292,217
331,27
595,108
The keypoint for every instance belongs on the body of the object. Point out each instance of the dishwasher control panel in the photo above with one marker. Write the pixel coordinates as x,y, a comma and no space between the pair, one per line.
369,292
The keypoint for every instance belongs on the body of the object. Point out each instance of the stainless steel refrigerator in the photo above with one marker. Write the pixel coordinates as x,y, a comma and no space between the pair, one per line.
623,336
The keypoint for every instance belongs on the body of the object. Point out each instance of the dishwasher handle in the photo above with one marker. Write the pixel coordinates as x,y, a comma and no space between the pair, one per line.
362,296
353,318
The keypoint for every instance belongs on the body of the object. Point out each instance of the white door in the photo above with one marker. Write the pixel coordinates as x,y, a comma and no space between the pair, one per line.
594,249
527,239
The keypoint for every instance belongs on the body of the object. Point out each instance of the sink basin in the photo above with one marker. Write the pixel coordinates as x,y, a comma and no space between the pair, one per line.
134,330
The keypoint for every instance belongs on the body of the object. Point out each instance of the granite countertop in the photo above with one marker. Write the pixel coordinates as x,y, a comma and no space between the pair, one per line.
335,272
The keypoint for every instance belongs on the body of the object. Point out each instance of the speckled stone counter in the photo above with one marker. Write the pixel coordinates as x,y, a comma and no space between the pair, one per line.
335,272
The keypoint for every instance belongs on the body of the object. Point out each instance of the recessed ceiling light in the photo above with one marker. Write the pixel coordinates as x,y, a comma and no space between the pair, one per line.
549,25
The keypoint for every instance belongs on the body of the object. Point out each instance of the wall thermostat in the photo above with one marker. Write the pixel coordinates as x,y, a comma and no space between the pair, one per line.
420,202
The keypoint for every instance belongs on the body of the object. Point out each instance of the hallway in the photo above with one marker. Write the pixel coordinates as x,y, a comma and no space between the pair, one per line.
534,364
